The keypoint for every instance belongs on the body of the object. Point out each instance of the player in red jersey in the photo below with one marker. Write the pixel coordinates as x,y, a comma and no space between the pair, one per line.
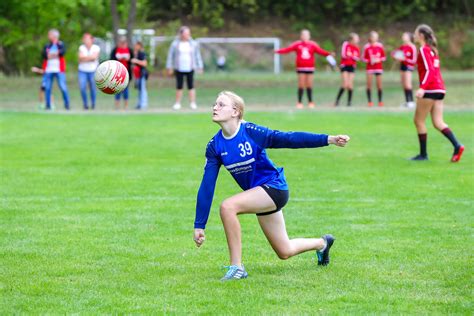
406,55
350,54
374,56
305,65
431,93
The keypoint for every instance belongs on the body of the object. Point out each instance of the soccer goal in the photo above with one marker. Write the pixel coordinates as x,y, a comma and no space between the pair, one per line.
242,53
235,53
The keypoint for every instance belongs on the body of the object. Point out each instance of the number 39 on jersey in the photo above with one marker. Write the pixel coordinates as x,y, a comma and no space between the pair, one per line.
245,149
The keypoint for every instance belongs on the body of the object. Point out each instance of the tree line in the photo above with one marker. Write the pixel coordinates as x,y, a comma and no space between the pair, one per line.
24,23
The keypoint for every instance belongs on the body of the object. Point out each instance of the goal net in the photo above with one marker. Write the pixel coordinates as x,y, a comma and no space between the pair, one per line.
240,53
231,53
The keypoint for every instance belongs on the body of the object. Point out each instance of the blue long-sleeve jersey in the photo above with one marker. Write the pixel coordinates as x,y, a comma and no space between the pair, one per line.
244,156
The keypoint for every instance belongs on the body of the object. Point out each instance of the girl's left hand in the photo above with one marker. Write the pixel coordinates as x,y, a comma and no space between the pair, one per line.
339,140
420,93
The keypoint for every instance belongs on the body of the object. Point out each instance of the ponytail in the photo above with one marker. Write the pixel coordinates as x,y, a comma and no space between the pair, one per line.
429,36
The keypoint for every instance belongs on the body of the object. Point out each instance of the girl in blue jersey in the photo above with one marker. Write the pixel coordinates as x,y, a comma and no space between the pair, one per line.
240,147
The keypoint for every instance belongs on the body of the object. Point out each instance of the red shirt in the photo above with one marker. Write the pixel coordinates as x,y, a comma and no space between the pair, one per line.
372,52
350,54
123,55
429,72
304,54
409,51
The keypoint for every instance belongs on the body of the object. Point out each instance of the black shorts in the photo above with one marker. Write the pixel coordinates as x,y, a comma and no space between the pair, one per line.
405,68
180,79
308,72
280,197
433,96
347,69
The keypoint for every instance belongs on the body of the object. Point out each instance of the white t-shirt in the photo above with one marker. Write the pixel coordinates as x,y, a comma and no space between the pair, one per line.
184,57
53,63
89,66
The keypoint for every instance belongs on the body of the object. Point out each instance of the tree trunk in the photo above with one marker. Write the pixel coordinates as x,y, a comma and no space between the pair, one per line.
115,19
132,12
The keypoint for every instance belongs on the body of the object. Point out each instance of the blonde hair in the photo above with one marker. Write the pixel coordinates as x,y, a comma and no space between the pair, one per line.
237,102
352,36
374,34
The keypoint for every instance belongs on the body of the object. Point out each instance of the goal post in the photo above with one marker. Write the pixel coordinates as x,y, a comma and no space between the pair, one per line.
206,42
261,55
247,40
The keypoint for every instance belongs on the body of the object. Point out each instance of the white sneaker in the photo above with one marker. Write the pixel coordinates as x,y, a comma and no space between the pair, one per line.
193,105
177,106
410,105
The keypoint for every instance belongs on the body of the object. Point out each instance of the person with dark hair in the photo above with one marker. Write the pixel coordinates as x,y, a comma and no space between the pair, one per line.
184,57
123,54
350,54
406,55
141,75
431,93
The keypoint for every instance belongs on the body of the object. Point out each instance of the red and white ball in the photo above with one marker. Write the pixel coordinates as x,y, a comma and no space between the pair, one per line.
111,77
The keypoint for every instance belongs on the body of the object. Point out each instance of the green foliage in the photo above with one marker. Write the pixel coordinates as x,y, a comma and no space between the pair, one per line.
24,26
208,12
467,62
24,23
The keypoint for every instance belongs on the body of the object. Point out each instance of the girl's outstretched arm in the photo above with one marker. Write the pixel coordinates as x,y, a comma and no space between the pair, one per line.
286,50
268,138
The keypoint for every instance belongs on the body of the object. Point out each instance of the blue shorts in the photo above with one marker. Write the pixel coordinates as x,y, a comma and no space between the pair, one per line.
123,94
43,83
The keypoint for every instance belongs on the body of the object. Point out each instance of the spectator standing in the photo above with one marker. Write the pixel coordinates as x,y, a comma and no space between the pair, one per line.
141,75
184,58
123,54
88,63
54,66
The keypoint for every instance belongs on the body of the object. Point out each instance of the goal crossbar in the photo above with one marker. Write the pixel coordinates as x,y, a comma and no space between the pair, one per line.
237,40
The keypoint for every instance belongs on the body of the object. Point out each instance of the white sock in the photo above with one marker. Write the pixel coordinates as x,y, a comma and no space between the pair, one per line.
325,245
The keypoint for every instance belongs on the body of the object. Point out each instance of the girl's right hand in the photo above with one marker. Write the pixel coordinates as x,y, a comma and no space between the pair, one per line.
339,140
420,93
170,72
199,236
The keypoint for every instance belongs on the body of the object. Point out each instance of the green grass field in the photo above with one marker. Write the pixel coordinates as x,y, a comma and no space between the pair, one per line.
97,216
260,90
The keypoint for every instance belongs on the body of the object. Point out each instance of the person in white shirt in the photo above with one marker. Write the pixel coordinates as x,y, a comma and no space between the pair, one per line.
54,66
88,63
183,58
